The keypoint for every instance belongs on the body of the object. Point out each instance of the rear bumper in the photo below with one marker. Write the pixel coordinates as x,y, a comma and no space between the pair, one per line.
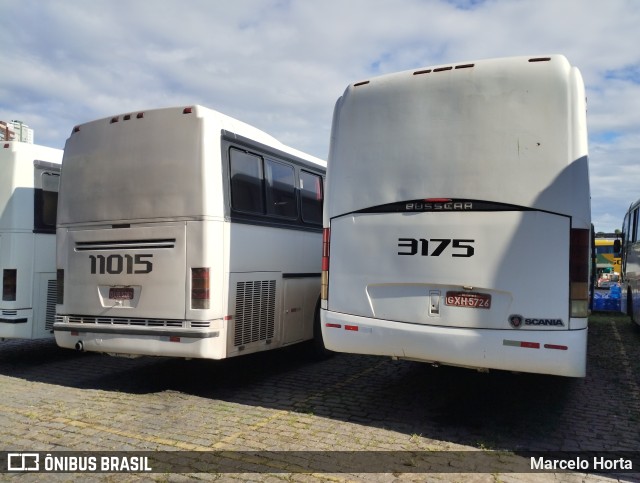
16,324
473,348
207,343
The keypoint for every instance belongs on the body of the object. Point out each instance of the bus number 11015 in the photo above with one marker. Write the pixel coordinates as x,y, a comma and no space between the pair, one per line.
116,264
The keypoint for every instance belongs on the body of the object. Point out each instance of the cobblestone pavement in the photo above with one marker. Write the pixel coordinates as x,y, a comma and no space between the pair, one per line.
53,399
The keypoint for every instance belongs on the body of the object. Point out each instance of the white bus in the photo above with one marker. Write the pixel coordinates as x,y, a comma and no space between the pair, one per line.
629,250
457,217
183,232
29,178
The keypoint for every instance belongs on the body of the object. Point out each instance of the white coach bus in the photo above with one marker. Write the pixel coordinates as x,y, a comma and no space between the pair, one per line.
628,248
183,232
457,217
29,179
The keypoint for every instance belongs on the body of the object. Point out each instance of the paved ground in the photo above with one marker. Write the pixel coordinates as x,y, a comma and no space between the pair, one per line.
278,411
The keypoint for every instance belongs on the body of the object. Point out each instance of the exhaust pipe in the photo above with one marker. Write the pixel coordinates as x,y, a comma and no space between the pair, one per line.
79,346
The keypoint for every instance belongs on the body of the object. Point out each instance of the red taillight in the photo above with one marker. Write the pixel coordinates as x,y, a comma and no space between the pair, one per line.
9,284
521,343
579,272
530,345
200,288
187,110
324,281
556,346
326,241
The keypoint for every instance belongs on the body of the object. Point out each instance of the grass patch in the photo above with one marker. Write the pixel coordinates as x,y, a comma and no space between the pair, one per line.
607,317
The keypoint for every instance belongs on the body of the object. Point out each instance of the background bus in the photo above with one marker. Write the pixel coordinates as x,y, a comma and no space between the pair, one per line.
29,178
446,187
629,249
183,232
608,262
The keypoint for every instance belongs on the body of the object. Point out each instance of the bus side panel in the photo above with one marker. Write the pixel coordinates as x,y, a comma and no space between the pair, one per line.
300,299
16,316
417,267
274,284
630,303
18,253
34,312
44,285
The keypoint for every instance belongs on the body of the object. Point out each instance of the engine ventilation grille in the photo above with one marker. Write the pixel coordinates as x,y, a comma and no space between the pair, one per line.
255,311
52,295
149,244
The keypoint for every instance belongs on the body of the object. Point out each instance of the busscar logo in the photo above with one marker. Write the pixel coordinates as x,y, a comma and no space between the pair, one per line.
442,206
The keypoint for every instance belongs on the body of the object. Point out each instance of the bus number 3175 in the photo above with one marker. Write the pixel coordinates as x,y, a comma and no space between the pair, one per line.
459,248
115,264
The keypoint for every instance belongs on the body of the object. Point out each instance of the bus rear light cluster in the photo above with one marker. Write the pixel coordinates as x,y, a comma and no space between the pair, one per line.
115,119
324,280
9,284
579,272
200,288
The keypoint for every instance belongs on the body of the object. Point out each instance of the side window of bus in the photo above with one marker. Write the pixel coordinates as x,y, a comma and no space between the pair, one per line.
246,182
281,190
311,195
625,229
635,229
46,202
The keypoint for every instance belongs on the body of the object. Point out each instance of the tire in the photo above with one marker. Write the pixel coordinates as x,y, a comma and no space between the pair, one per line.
319,351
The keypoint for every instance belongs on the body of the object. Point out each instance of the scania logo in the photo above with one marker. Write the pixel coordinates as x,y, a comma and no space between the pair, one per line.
553,322
516,321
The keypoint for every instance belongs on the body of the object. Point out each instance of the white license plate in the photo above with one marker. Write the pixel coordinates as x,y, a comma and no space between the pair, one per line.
121,293
468,299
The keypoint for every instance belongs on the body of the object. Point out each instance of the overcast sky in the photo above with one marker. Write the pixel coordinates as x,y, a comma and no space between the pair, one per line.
281,64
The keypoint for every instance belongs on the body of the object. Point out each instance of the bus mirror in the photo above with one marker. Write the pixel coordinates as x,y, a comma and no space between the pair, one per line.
617,246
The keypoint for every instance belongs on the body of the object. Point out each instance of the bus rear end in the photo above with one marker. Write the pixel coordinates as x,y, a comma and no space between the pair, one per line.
139,240
457,218
29,177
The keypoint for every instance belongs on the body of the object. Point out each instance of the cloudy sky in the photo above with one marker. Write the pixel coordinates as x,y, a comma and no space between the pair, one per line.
281,64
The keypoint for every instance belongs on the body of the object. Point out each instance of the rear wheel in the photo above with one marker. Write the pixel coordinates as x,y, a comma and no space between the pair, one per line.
318,349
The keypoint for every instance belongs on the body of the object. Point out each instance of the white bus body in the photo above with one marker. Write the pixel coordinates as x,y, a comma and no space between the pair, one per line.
183,232
29,179
457,217
630,254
